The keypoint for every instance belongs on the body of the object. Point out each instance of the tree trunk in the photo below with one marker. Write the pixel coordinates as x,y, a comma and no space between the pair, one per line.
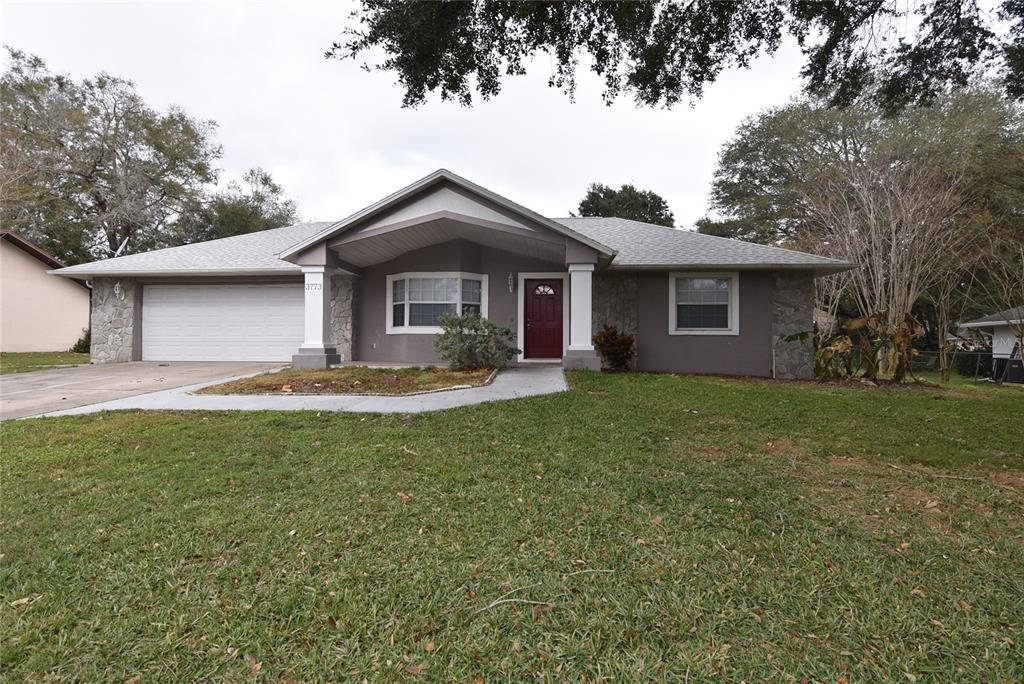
945,358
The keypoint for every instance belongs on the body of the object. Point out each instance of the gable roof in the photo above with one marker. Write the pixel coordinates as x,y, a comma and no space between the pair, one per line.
439,176
624,244
252,253
31,248
1013,315
641,245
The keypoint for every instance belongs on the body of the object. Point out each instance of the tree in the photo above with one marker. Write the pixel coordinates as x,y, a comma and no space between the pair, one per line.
766,171
626,202
903,220
664,51
910,199
951,290
88,168
258,205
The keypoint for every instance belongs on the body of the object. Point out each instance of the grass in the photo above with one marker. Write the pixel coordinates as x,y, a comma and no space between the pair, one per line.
667,527
962,382
23,362
353,380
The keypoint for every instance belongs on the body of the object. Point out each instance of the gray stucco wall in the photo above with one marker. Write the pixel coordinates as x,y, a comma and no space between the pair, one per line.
793,312
113,321
749,353
371,341
772,305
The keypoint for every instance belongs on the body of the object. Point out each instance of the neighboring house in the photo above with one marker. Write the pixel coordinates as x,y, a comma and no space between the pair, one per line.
1006,351
38,313
371,287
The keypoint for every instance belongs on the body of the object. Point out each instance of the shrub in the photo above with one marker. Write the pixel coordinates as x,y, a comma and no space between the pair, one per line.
469,342
616,349
84,343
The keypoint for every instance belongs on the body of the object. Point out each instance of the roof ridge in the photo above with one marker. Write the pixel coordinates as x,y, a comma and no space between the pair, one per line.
220,239
707,235
441,175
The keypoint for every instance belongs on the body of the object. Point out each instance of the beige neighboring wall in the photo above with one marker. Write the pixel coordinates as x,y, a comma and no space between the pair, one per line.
38,311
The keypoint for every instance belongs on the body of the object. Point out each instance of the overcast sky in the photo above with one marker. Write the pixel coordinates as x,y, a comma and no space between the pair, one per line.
337,138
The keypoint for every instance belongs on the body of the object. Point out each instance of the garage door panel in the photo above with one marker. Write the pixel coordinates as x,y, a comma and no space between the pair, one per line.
258,322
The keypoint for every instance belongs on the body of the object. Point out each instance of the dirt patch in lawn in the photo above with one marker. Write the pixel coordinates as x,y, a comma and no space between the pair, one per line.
354,380
879,494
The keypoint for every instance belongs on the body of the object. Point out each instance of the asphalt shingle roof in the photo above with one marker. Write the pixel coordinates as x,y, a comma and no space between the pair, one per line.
629,244
250,253
1012,314
635,244
645,245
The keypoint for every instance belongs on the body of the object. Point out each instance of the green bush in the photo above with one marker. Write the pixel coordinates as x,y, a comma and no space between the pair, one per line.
84,343
616,349
469,342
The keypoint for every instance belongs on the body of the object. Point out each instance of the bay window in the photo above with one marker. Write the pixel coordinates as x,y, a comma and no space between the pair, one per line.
703,304
416,301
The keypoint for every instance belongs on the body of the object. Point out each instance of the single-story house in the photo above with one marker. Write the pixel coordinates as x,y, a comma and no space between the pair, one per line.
38,313
370,288
1005,327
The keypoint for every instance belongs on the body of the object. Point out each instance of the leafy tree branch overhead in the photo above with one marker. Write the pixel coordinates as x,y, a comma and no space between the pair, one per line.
665,51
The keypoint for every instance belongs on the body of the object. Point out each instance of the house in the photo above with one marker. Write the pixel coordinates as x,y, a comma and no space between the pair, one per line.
38,313
1006,327
370,288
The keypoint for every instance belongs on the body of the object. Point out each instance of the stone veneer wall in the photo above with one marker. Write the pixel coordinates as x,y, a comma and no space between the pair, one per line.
342,307
113,320
615,301
793,312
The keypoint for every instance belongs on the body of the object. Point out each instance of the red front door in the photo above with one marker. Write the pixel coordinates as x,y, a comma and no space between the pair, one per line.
543,319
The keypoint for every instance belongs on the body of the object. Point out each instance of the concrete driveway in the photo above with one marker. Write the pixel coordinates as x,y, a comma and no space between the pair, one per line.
29,394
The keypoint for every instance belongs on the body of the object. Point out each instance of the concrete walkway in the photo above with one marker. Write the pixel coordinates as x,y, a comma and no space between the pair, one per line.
40,392
509,384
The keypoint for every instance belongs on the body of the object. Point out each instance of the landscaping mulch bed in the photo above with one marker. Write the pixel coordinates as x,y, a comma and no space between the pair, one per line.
355,380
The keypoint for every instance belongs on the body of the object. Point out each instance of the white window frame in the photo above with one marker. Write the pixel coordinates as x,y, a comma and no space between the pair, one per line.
391,329
734,303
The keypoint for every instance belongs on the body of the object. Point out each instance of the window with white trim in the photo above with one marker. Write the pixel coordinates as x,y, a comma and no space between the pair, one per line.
704,304
416,301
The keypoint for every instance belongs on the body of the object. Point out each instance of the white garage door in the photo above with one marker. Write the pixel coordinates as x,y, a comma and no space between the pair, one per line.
259,322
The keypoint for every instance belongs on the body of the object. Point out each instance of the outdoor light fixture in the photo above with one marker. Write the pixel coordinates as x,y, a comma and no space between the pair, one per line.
511,282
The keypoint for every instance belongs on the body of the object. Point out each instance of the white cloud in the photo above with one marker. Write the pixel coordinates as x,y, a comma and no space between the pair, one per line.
336,136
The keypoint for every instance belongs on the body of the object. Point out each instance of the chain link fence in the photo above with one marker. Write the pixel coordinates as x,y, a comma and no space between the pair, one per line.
968,364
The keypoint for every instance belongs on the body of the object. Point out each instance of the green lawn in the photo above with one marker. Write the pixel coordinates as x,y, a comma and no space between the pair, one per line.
23,362
666,527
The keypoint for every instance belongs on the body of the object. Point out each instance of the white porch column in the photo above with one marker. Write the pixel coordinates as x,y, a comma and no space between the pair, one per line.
318,304
581,347
580,306
315,351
